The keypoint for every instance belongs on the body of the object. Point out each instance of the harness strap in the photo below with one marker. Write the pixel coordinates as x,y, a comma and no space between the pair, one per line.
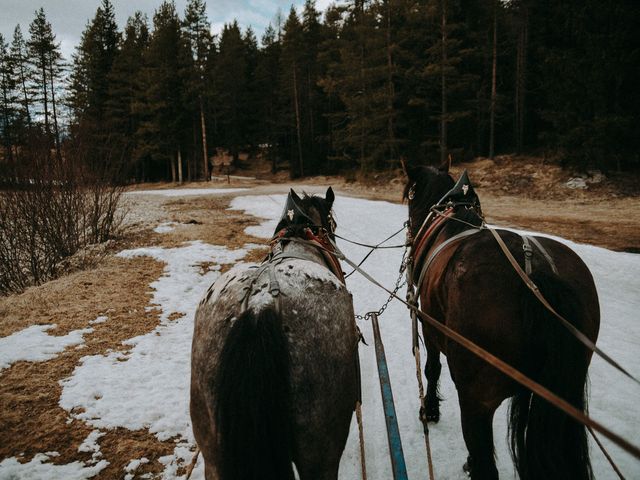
536,291
544,252
528,254
441,247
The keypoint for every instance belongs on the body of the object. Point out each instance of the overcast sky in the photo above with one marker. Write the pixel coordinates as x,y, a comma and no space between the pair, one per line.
69,17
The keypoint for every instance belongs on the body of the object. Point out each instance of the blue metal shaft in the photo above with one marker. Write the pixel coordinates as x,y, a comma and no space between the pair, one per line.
393,432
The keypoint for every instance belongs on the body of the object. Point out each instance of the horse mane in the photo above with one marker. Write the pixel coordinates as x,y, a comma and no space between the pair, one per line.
319,203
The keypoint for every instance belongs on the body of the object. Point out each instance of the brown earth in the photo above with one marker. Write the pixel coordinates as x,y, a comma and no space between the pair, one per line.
523,193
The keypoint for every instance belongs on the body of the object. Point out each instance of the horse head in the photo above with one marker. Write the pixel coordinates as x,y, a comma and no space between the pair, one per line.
425,187
310,211
428,187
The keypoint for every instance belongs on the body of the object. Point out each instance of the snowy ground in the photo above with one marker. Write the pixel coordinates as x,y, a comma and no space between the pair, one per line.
148,386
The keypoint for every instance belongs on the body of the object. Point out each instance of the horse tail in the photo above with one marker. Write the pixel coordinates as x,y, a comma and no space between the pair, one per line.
545,442
252,393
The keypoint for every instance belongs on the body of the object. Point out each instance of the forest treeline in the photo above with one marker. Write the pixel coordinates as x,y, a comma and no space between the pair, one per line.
355,87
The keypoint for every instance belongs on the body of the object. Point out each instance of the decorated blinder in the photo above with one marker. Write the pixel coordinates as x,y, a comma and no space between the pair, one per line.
293,213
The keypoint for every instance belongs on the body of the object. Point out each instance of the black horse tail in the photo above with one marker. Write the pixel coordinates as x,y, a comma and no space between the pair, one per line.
252,393
545,442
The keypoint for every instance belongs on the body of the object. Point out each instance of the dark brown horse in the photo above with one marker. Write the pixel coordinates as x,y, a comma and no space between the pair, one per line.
274,376
469,285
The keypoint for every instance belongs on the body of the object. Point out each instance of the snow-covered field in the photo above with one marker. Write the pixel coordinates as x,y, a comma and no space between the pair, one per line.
148,387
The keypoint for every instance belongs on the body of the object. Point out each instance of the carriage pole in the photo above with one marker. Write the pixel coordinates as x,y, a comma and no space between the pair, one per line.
393,432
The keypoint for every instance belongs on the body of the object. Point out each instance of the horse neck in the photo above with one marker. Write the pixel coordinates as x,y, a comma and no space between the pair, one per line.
303,250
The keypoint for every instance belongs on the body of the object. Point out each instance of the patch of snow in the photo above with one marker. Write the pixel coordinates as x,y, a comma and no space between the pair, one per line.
148,387
90,445
165,227
100,319
133,465
187,192
33,344
39,468
576,183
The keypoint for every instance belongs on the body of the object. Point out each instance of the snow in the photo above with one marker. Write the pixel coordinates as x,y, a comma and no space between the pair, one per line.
39,468
132,466
147,387
100,319
90,445
33,344
187,192
165,227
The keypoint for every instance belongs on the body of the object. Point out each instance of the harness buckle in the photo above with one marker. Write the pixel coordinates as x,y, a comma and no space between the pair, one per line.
528,251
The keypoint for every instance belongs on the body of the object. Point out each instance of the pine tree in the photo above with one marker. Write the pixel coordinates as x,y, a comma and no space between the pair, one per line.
21,66
45,58
267,83
292,76
161,108
197,34
7,98
92,65
231,83
125,91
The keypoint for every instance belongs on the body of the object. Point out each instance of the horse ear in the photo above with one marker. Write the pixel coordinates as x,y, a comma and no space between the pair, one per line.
330,196
446,165
403,162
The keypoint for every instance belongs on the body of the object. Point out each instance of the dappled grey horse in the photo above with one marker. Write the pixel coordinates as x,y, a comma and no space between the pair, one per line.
274,372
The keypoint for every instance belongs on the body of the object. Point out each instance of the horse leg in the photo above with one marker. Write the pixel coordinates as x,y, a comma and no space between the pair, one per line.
477,429
432,370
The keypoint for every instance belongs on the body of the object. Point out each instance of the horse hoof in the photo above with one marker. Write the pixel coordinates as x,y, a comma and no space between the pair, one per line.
429,415
433,417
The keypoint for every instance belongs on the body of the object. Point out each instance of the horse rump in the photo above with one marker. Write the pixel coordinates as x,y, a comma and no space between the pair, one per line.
252,391
545,442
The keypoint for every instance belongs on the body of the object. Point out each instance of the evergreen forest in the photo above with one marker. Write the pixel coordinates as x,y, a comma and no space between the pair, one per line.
356,87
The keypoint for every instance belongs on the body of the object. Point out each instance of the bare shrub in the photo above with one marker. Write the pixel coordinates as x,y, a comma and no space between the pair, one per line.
49,210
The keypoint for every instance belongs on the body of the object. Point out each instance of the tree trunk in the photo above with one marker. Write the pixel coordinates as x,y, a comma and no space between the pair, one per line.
390,91
56,131
521,78
173,169
443,116
297,108
492,119
179,167
23,80
5,109
45,102
205,155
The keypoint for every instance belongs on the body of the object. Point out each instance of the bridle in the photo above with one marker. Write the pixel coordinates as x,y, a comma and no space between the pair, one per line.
316,236
432,225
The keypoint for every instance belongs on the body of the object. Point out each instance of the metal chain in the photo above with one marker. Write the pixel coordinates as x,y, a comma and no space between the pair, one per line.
399,284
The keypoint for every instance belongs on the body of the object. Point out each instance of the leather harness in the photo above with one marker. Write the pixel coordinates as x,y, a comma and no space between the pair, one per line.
277,256
423,243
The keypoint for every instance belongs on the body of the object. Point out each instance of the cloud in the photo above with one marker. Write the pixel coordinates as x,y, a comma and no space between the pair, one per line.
69,18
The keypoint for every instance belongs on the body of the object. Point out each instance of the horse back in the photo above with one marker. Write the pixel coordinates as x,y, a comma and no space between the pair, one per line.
473,288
